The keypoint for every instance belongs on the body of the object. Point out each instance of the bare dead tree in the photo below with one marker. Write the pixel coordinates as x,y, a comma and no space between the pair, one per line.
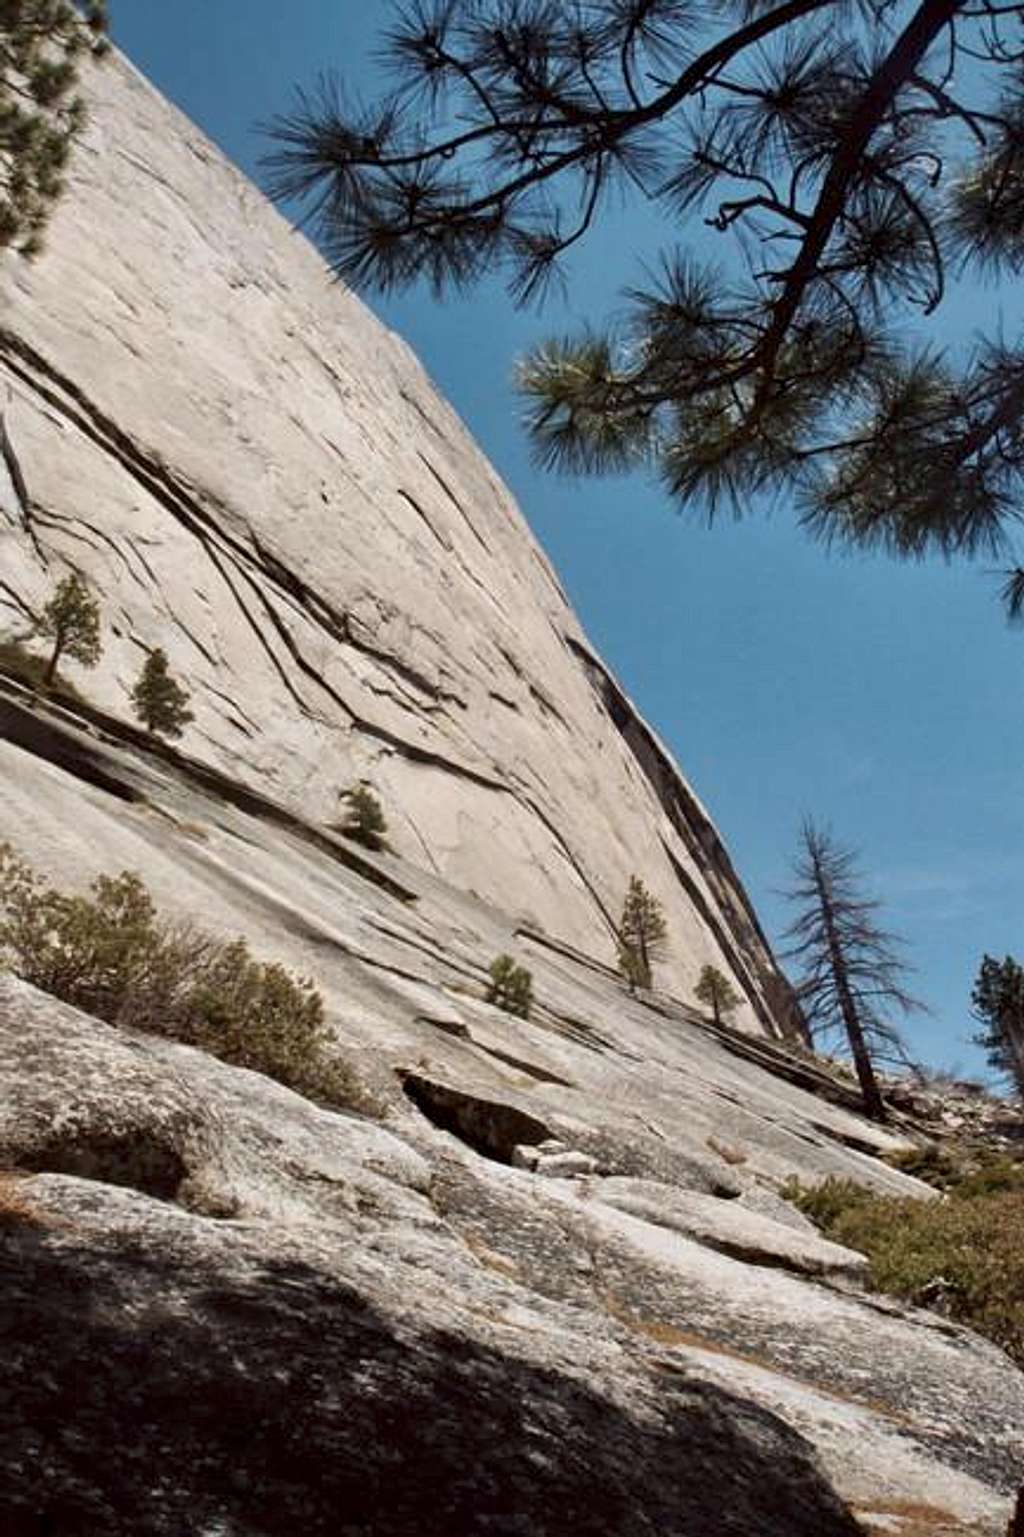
849,969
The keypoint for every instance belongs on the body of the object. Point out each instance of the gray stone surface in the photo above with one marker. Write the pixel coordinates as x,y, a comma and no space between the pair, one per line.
728,1227
259,478
676,1264
227,1312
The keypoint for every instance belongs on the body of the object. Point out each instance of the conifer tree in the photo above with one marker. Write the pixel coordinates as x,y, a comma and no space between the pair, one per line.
715,989
364,820
510,987
850,969
642,934
845,158
160,703
998,1004
42,44
71,620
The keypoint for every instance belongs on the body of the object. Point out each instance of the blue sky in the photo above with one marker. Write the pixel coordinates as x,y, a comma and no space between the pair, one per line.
883,699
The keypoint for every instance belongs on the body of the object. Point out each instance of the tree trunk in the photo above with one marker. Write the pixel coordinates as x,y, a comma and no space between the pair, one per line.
870,1092
51,666
1013,1035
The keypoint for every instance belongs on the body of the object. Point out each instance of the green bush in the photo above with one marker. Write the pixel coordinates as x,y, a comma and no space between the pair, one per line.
992,1177
159,700
932,1164
511,986
111,955
715,989
962,1255
825,1203
964,1173
364,820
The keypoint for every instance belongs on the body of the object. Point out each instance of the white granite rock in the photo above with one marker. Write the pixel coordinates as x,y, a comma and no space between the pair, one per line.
259,478
565,1165
228,1310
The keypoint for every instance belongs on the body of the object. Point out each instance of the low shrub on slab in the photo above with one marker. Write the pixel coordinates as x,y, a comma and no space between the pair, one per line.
112,955
510,987
962,1255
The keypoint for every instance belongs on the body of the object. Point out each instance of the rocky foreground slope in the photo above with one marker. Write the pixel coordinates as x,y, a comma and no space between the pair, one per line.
543,1282
259,478
539,1278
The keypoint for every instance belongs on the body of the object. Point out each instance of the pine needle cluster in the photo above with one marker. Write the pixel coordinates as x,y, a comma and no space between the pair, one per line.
42,46
850,157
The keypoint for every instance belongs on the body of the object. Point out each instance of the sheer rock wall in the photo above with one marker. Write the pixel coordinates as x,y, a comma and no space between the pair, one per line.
257,476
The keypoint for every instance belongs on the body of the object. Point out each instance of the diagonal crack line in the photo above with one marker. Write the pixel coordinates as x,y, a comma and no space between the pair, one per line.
14,470
271,654
220,547
32,369
18,602
13,467
339,625
48,518
226,551
450,494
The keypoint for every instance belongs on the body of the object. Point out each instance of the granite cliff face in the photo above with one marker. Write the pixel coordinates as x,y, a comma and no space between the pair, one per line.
260,478
542,1281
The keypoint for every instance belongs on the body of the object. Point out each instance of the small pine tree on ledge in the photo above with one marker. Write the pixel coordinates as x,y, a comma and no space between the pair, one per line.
641,938
511,986
364,821
71,620
715,989
160,703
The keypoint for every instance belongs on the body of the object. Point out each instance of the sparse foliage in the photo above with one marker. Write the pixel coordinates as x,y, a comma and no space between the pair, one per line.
961,1256
998,1004
112,955
364,820
642,935
42,44
850,969
71,620
160,703
848,158
510,987
715,989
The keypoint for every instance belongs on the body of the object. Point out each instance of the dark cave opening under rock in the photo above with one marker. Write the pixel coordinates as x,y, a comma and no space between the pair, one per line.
131,1158
490,1127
